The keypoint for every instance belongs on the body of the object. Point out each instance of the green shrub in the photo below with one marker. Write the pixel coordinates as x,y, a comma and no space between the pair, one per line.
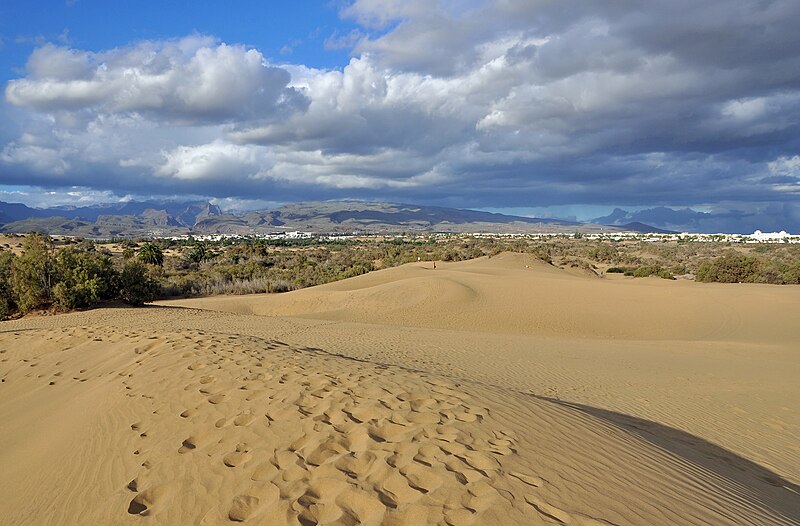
678,269
645,271
792,274
84,277
728,268
201,251
6,293
79,295
604,253
31,277
136,286
740,268
542,252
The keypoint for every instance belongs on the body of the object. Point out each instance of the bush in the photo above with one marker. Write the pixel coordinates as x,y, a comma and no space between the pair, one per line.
729,268
84,278
739,268
645,271
31,276
201,251
792,274
79,295
6,292
542,252
604,253
245,286
136,287
679,269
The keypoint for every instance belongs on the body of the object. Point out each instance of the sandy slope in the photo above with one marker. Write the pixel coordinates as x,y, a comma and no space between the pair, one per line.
519,294
716,360
483,392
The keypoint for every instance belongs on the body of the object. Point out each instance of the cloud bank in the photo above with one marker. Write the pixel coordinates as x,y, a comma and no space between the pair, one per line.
509,103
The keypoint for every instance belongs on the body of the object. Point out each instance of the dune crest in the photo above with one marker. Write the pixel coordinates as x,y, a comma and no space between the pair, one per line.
519,294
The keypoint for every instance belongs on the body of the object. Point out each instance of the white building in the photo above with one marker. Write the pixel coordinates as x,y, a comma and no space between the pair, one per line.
769,237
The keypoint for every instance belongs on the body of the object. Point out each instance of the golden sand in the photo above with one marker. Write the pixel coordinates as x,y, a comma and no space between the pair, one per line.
493,391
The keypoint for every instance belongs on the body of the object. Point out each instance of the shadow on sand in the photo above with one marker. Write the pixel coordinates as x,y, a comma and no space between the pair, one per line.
749,480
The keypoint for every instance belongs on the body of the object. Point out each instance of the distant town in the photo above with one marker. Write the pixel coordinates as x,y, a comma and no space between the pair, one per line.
756,237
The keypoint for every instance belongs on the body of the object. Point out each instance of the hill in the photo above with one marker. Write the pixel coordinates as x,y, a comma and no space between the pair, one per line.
165,218
637,226
514,293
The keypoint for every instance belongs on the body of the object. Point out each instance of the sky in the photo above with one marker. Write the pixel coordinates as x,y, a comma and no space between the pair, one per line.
566,108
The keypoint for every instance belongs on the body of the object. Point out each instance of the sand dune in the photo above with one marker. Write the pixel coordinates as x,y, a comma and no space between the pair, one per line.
519,294
473,394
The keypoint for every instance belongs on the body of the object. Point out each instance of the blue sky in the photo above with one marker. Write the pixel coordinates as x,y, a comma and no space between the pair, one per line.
567,108
284,31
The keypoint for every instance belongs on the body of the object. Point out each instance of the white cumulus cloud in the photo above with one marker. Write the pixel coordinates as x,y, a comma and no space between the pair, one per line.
194,79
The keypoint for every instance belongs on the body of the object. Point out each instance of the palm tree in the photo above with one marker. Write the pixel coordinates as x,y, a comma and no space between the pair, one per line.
151,254
201,251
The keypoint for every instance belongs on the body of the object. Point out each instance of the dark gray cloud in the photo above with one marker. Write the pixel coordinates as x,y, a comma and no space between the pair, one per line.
740,219
506,103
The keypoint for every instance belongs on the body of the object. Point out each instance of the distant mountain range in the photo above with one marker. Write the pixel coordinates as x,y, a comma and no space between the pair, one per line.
657,216
164,218
636,226
179,214
772,218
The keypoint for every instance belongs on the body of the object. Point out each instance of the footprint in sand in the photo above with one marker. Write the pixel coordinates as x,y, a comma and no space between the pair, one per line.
193,442
359,507
238,457
147,501
253,502
266,471
244,420
395,491
420,478
217,398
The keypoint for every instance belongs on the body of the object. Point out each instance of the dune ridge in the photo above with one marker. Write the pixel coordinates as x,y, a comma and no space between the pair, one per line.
519,294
